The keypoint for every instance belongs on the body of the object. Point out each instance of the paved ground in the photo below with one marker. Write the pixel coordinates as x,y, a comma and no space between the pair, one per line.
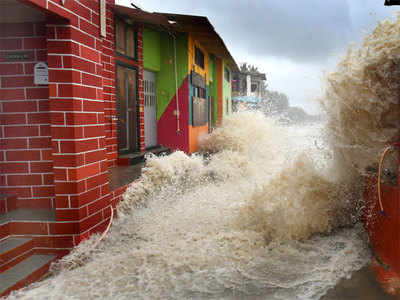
121,175
361,286
28,214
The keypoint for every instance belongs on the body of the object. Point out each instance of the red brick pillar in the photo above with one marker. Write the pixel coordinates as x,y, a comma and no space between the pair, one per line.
110,113
78,83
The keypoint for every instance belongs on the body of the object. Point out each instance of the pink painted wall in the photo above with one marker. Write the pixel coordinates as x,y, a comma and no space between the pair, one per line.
167,125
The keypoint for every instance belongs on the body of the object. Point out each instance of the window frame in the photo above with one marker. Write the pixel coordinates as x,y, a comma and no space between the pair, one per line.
199,93
205,115
256,85
196,51
227,72
135,31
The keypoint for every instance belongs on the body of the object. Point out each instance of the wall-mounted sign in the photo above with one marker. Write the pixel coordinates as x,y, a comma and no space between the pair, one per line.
16,55
103,30
41,73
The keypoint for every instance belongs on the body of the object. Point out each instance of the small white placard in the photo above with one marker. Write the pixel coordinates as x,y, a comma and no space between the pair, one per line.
41,73
103,30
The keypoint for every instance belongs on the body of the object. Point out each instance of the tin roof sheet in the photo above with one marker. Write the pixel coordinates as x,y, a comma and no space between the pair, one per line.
199,26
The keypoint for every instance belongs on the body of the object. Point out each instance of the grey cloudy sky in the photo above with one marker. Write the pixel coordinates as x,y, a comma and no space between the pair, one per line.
294,42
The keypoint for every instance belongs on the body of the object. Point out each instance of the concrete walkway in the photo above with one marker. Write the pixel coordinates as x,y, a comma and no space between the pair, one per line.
361,286
122,175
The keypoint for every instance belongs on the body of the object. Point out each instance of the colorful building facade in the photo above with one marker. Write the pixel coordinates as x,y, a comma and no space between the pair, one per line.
225,90
172,85
194,95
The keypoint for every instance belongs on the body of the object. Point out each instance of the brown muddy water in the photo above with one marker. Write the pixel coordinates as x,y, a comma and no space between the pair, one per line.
263,218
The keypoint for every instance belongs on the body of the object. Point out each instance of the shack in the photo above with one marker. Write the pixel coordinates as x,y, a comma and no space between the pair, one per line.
247,89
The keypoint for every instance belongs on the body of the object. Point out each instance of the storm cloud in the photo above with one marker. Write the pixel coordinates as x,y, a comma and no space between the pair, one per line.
305,31
293,41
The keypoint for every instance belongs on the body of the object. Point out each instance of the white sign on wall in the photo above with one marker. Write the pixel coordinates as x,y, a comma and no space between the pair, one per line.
41,73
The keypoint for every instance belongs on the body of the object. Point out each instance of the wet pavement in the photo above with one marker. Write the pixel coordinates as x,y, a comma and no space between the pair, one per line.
361,286
122,175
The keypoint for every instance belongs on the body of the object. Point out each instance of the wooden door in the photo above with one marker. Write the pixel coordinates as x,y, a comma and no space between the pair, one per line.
127,110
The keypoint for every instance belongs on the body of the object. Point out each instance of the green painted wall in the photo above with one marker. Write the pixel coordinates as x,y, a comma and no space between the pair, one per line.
214,89
151,49
166,76
227,89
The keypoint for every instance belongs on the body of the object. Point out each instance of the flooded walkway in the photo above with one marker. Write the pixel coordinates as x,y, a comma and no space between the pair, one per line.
362,285
248,222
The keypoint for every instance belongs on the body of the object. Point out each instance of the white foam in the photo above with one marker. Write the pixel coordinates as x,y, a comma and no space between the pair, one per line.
234,225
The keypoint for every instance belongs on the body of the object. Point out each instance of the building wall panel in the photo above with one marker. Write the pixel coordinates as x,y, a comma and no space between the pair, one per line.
22,117
60,138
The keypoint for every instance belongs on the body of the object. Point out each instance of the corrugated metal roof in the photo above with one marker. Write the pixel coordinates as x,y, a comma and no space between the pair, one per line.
199,26
392,2
203,31
261,76
142,16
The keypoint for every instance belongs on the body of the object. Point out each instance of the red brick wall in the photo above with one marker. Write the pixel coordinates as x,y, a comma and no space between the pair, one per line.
81,55
110,99
66,138
26,162
81,92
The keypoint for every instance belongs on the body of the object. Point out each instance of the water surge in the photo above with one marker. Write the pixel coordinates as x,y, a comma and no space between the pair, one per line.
262,212
256,216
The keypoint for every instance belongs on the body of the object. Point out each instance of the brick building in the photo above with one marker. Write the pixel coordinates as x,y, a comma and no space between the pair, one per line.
58,138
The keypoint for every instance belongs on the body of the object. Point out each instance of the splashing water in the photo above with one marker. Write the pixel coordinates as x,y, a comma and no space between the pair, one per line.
269,213
235,224
361,100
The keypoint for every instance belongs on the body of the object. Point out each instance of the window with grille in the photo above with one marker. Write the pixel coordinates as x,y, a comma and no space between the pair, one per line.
200,116
199,107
